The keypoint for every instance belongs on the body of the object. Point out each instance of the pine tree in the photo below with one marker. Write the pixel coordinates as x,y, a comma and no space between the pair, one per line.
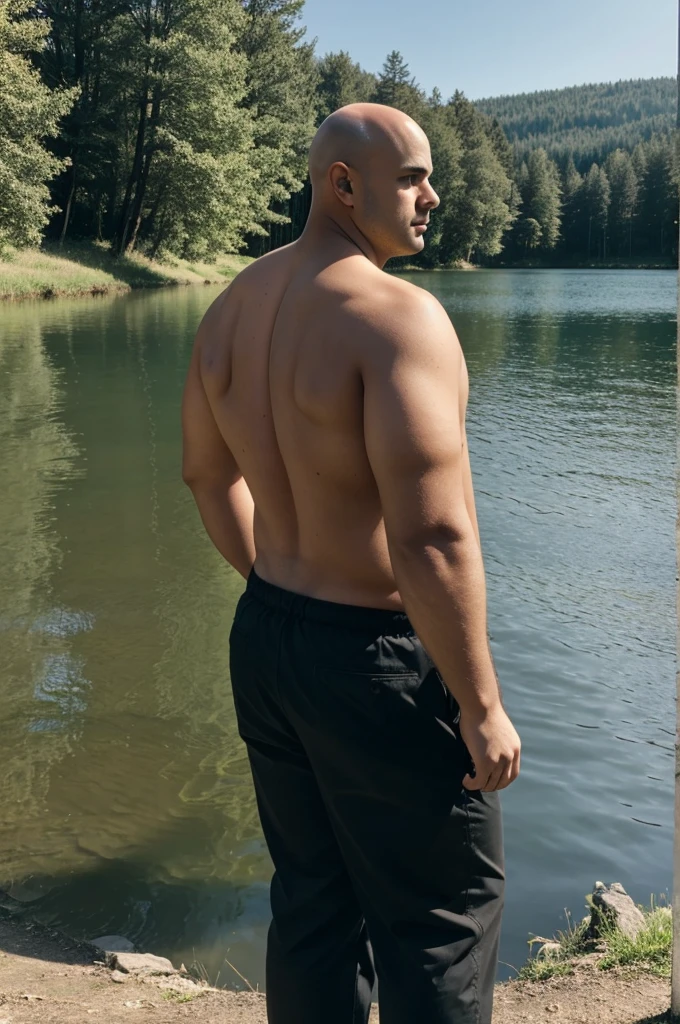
623,185
528,233
659,199
282,79
341,81
542,197
501,146
639,161
573,235
394,82
596,191
443,245
29,112
477,215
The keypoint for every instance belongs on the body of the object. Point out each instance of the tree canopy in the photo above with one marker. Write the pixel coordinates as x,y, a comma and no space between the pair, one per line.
29,114
182,127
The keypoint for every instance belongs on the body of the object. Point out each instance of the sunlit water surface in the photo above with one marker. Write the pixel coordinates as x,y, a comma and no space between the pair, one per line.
128,805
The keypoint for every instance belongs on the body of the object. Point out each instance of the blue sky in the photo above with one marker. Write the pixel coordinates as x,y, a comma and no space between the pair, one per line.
491,47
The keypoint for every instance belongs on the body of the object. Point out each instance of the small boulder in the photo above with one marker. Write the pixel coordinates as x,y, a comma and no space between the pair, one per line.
113,944
141,963
612,906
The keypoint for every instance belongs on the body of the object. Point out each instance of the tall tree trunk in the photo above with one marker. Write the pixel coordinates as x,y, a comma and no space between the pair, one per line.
124,221
135,218
78,69
140,191
69,203
159,235
125,215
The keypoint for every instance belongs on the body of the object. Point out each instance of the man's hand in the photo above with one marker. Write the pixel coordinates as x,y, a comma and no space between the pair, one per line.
494,747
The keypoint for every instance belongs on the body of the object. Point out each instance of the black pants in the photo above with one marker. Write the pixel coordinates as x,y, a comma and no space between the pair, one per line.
358,763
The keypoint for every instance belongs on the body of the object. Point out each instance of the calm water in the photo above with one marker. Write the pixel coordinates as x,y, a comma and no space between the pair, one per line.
128,804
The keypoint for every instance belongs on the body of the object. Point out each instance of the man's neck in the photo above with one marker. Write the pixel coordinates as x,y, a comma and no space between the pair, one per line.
323,230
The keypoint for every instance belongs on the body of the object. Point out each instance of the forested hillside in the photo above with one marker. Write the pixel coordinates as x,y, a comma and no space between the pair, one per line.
507,198
181,127
586,122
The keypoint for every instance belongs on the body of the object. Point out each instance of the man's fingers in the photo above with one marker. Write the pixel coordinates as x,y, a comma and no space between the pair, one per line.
490,777
498,778
509,774
505,777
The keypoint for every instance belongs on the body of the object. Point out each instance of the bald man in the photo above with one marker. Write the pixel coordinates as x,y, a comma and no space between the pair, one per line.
324,443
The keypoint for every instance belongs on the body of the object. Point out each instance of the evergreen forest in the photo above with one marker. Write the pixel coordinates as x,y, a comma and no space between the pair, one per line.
180,127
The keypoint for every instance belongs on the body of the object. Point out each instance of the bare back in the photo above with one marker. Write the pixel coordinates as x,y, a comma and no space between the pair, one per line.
280,356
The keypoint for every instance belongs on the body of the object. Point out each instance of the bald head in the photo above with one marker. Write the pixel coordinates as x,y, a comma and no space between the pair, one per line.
370,166
358,133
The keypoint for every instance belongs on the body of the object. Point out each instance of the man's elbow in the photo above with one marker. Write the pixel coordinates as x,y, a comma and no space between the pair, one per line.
194,476
208,478
188,474
443,538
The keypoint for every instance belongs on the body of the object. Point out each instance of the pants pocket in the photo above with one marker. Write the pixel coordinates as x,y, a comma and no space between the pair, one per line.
411,707
379,695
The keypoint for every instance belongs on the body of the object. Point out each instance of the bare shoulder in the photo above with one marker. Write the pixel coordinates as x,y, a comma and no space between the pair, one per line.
395,317
262,269
251,282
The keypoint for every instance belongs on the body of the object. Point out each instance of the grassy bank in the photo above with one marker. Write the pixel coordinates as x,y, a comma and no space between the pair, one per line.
650,951
90,269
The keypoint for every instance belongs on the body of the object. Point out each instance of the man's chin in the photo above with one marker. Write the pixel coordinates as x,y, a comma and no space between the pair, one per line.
413,246
410,247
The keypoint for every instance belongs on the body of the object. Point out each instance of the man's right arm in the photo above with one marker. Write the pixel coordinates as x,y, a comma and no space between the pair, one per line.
412,369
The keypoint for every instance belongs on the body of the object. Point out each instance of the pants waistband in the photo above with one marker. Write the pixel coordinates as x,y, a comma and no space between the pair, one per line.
350,616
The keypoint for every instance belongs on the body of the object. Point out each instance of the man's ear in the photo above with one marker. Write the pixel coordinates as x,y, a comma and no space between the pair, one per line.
341,182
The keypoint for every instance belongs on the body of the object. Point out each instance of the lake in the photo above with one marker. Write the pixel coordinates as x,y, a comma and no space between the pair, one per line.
128,804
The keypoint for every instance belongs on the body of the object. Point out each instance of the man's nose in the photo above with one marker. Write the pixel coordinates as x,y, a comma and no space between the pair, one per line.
430,199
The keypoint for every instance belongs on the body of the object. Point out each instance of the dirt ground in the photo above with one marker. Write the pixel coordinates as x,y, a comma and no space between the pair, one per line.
45,978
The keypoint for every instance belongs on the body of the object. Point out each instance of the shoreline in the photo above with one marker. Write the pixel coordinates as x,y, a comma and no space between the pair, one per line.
48,977
82,269
85,269
462,265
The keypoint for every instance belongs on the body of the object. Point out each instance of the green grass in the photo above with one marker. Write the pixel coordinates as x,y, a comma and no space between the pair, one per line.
650,951
91,269
572,942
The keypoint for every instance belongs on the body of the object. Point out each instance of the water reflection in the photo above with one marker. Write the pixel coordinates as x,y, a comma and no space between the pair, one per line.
128,801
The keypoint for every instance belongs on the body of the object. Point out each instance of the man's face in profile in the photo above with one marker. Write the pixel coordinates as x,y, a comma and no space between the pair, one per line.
395,196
